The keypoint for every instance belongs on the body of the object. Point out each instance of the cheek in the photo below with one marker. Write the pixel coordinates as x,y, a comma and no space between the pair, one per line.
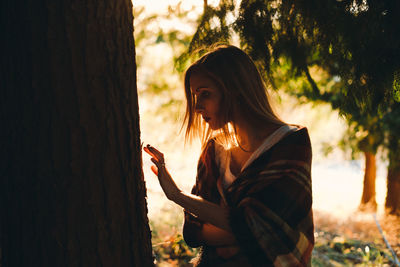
219,113
216,107
217,104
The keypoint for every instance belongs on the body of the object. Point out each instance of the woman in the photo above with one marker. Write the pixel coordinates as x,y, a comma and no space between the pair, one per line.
251,204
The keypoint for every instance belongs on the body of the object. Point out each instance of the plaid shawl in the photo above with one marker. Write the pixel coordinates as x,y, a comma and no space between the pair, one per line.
270,206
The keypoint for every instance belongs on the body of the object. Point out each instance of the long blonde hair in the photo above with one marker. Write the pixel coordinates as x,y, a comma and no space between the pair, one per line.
242,88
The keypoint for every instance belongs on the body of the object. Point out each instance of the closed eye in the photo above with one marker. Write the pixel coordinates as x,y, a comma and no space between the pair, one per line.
205,94
202,94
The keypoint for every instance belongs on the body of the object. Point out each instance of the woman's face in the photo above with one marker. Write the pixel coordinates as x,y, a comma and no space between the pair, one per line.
207,99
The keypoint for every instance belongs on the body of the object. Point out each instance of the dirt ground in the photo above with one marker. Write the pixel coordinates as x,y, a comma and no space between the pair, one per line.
361,226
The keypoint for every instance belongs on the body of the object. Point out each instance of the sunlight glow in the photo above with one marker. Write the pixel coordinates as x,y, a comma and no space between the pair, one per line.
337,181
161,7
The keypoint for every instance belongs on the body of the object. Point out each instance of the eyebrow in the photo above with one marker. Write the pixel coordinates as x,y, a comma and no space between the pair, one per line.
200,87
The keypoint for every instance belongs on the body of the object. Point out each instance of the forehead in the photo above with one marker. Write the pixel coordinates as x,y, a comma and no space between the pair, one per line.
201,80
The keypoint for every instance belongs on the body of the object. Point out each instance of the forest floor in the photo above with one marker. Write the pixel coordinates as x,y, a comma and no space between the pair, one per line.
355,241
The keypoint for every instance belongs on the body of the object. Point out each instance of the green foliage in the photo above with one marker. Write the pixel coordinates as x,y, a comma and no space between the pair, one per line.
213,25
396,86
157,29
174,251
159,40
354,40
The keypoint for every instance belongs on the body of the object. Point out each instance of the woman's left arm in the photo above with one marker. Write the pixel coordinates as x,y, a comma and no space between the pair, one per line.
205,210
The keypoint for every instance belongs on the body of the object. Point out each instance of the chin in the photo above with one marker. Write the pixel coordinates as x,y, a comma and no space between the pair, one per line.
214,126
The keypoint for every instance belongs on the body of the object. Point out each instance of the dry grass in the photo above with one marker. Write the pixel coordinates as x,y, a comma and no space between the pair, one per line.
361,226
391,229
350,238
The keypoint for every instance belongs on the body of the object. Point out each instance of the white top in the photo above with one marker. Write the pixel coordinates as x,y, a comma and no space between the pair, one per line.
223,157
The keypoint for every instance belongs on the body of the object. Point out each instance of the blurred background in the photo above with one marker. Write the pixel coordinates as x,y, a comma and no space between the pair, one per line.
345,235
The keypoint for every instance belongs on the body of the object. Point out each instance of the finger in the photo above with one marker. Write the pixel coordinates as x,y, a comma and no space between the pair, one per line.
150,153
146,149
155,152
156,162
154,169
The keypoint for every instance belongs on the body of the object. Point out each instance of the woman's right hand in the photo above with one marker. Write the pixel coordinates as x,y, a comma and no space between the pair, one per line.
167,183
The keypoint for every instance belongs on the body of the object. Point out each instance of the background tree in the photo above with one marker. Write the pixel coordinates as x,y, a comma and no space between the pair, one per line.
392,127
71,189
364,133
356,42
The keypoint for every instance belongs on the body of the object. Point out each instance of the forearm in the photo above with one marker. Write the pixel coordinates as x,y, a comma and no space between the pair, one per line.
205,210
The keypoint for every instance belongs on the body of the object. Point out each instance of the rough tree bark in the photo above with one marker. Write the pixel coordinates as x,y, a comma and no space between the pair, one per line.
368,200
71,182
392,203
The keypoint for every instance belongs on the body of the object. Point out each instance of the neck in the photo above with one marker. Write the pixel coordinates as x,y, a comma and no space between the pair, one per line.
250,138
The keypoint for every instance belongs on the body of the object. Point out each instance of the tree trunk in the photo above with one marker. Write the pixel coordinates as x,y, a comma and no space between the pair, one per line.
392,203
71,191
368,201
